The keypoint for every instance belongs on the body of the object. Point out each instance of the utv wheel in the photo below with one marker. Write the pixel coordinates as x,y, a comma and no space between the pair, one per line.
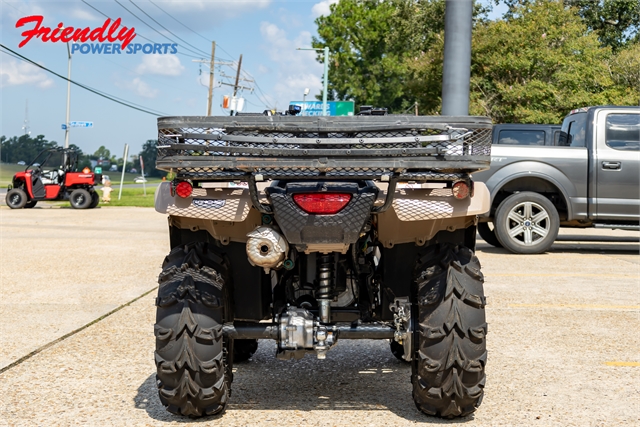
95,199
80,199
30,204
488,234
192,356
16,198
244,349
527,223
449,339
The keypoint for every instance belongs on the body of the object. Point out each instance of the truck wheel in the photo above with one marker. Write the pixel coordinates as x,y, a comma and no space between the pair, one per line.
16,198
30,204
80,198
527,223
192,357
488,234
95,199
244,349
449,340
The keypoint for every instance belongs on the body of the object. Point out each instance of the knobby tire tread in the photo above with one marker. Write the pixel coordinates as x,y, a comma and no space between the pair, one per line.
448,370
194,368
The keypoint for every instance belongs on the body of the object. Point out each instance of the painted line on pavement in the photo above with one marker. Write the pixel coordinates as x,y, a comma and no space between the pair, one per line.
634,364
619,276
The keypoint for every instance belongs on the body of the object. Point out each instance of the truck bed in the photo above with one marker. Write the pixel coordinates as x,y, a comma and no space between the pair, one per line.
415,148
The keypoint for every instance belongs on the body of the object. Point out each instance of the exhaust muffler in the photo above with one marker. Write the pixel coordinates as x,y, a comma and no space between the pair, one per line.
266,248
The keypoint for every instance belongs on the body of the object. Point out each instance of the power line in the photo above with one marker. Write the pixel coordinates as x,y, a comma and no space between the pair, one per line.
137,34
189,28
168,38
170,32
95,91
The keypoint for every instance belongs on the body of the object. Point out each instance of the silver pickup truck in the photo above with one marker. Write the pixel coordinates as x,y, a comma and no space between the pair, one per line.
588,175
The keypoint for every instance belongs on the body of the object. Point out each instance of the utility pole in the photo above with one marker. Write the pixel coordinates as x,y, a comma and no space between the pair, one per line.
325,78
25,126
416,105
458,22
235,86
213,52
66,131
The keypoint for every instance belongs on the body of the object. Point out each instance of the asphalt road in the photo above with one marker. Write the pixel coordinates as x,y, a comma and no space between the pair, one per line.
563,336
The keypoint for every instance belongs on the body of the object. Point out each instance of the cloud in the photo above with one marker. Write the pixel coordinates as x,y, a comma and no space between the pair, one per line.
14,73
140,87
162,65
85,15
296,69
322,8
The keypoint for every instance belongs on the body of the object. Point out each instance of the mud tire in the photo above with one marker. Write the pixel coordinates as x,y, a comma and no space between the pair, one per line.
448,368
194,367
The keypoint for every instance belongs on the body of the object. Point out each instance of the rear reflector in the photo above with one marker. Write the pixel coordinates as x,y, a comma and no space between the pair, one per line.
184,189
460,190
322,203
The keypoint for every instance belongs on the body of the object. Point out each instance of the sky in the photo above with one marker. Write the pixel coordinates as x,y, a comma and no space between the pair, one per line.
266,33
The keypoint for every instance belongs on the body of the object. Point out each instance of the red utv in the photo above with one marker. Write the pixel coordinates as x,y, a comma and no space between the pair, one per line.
52,176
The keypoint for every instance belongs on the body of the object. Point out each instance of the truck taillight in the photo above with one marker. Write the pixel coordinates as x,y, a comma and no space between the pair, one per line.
184,189
322,203
460,190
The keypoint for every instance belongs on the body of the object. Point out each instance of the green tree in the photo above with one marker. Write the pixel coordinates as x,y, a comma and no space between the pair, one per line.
102,153
148,154
362,66
531,68
23,148
616,22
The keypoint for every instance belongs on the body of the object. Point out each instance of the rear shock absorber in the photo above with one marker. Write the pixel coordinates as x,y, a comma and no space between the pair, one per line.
324,294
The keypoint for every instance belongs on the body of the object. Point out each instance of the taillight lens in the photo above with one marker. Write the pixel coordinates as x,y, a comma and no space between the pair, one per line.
322,203
460,190
184,189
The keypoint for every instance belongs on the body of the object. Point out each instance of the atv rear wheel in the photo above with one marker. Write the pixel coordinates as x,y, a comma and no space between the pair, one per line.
449,341
192,356
80,198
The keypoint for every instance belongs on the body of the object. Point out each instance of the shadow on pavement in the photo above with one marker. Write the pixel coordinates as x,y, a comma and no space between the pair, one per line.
357,375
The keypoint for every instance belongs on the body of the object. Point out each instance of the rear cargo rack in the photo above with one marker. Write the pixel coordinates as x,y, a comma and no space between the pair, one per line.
385,148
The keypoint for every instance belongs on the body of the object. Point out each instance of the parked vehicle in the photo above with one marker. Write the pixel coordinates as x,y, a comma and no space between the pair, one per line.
526,134
140,179
589,177
325,243
60,182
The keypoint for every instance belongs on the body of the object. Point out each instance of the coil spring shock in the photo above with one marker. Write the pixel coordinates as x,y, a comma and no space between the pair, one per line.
324,294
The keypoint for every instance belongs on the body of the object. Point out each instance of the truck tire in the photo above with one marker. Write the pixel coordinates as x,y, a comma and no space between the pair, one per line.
488,234
16,198
449,339
527,223
80,198
193,359
244,349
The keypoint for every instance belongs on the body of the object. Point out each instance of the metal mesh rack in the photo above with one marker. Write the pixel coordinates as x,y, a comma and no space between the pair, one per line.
421,148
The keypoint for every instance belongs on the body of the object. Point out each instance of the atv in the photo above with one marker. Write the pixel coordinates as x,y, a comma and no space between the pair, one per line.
312,230
59,182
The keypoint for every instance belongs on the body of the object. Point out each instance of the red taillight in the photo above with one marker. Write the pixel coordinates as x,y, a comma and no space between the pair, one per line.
184,189
460,190
322,203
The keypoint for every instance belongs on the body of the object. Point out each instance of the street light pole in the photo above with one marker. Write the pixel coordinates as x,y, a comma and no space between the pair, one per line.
326,75
66,132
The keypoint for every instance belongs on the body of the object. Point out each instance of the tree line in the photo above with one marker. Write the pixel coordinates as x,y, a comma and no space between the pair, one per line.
533,65
25,148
